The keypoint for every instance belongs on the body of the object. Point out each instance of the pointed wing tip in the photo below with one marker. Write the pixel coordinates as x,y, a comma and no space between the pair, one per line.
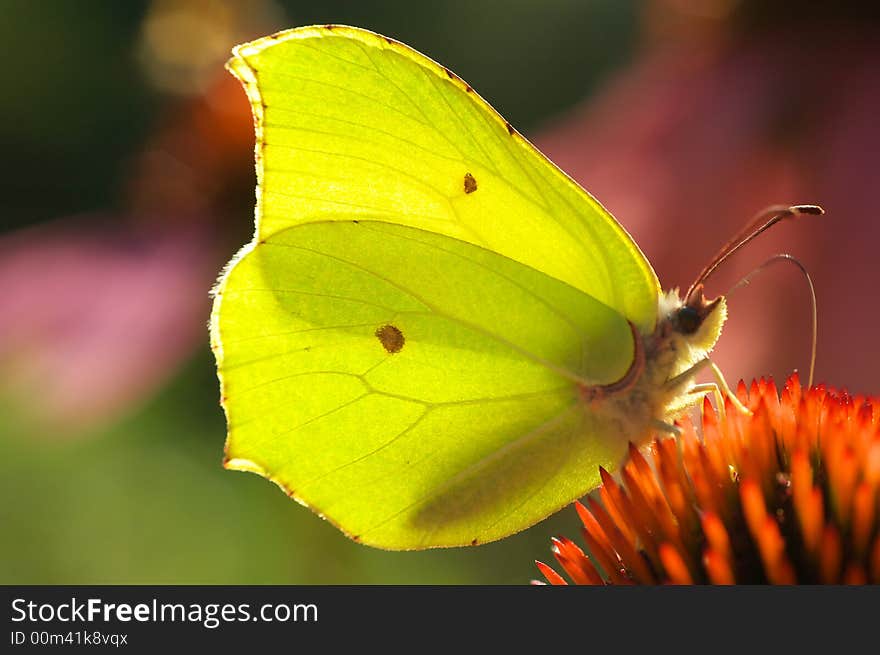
247,465
243,50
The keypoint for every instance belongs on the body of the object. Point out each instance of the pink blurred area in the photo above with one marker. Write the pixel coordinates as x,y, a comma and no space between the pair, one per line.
99,310
94,317
693,139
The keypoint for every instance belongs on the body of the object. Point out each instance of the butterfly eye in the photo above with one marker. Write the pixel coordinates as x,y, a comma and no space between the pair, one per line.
687,320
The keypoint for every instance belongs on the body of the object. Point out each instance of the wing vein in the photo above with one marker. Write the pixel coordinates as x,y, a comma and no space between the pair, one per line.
565,373
553,310
376,450
469,469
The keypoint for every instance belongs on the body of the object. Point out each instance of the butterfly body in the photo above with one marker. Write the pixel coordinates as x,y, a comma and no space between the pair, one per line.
659,384
435,337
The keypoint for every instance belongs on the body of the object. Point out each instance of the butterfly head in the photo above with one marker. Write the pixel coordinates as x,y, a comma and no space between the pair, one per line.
692,314
694,323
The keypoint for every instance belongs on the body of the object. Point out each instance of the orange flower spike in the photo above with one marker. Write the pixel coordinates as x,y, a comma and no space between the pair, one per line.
778,568
674,481
643,520
863,428
793,387
716,535
625,547
749,455
765,533
644,476
702,491
808,412
674,565
742,392
769,392
608,561
875,418
830,556
715,508
824,413
573,560
807,500
844,477
718,568
716,449
654,498
552,576
708,421
669,527
615,518
690,444
855,574
766,451
774,393
688,431
601,549
719,483
728,449
755,391
864,507
787,429
830,452
600,539
874,561
872,462
616,504
753,506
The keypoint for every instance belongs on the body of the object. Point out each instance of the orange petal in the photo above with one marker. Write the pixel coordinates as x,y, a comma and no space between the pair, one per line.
601,549
552,576
611,494
807,500
872,463
641,514
766,535
843,476
609,563
831,555
674,564
575,562
626,549
875,561
718,568
855,574
864,503
716,535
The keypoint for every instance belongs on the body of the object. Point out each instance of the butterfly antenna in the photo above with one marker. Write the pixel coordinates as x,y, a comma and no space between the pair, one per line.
745,281
763,221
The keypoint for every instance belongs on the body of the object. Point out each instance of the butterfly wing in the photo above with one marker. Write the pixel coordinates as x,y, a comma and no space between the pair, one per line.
403,346
414,389
351,124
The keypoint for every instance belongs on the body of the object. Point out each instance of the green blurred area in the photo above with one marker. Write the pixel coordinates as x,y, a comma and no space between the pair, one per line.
145,500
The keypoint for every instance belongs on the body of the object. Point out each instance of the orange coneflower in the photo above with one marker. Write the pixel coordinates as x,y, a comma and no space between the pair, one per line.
786,495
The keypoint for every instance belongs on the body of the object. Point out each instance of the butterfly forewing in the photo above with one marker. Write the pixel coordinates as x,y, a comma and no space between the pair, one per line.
352,124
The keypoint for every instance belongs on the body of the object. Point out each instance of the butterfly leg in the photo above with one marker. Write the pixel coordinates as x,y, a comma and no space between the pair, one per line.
686,376
669,428
722,383
713,388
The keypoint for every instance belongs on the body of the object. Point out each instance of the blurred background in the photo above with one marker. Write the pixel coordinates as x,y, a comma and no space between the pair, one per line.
129,182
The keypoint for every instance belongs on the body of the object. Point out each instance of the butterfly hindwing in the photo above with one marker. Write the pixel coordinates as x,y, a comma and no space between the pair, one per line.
377,373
